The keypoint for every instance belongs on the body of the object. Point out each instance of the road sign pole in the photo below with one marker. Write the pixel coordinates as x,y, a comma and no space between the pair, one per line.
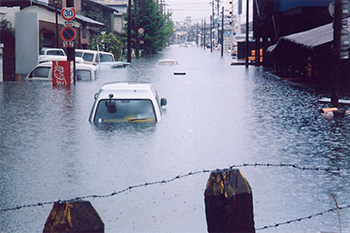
71,50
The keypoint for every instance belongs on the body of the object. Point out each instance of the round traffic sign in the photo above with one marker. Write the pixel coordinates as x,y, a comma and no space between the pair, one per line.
68,13
141,30
68,34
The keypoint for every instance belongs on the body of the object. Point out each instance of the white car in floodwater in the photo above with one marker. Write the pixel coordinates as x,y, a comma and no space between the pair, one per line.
127,102
43,72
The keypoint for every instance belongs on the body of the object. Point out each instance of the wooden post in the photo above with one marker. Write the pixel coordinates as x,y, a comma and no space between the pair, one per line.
229,202
77,216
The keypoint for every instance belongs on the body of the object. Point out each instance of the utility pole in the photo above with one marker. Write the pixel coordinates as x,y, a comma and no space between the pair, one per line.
247,36
136,30
204,34
222,32
71,50
56,3
129,32
212,28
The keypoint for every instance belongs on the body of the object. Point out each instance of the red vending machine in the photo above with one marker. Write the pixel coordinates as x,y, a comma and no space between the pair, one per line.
62,72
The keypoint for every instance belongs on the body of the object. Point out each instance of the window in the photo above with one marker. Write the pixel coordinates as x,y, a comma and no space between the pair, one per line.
106,57
41,72
125,110
88,57
79,54
55,52
83,32
83,75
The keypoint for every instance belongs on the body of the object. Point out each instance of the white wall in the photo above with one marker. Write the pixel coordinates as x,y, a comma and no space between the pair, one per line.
27,42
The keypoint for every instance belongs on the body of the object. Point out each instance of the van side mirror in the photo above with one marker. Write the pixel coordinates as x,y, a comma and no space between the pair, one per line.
163,102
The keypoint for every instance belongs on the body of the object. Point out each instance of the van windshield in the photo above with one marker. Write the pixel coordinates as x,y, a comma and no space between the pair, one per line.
125,110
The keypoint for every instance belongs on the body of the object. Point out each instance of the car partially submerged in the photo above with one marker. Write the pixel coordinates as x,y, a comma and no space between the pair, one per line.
116,64
167,62
94,57
127,102
43,72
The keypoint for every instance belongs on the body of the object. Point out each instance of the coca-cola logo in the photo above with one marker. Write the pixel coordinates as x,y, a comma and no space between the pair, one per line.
59,74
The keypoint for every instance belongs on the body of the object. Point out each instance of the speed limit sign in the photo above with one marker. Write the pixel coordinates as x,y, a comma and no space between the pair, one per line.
68,13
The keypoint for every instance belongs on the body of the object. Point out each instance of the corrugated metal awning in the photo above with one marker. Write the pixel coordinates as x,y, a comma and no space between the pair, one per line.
313,37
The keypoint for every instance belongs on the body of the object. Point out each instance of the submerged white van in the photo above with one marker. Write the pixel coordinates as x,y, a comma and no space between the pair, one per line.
94,57
43,72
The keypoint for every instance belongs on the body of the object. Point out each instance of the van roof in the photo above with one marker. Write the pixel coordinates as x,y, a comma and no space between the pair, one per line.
128,90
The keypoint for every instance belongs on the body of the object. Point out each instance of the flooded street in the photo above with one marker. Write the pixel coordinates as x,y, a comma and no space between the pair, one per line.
217,116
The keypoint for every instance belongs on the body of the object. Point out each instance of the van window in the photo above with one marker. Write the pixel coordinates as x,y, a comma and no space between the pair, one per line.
55,52
83,75
42,72
78,54
88,57
106,57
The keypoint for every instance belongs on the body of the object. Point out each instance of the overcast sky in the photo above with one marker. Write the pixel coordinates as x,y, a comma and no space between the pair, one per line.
200,9
197,9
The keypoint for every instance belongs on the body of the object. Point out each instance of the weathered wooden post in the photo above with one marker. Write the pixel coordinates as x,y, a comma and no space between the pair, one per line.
229,202
79,216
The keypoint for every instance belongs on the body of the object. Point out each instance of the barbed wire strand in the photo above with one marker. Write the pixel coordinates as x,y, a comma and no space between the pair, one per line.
294,166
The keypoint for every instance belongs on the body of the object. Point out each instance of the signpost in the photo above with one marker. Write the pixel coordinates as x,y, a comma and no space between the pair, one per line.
68,33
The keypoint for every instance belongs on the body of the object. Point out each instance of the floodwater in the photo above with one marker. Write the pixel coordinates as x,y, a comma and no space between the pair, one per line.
217,116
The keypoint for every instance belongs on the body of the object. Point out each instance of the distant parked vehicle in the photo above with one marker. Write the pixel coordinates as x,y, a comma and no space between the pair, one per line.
94,57
52,51
127,102
167,62
43,72
116,64
45,52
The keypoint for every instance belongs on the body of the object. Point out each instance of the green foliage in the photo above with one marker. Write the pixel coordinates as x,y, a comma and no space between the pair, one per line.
107,42
95,14
157,27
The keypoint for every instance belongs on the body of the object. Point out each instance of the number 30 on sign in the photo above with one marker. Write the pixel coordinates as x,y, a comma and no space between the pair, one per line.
68,13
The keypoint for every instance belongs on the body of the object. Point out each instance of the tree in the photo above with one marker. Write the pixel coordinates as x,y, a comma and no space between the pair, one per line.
7,37
157,27
108,42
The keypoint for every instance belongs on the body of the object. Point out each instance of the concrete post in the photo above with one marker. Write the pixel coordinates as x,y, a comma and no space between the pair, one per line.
71,217
229,202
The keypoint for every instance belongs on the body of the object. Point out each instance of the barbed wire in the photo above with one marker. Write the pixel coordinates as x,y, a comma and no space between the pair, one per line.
165,181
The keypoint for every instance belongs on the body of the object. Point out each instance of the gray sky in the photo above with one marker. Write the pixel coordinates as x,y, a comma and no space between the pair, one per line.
197,9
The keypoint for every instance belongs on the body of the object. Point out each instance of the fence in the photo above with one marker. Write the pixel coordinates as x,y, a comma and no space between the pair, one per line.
268,165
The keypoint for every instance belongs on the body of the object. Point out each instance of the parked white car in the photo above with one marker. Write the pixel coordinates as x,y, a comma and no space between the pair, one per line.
127,102
43,72
46,52
94,57
52,51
